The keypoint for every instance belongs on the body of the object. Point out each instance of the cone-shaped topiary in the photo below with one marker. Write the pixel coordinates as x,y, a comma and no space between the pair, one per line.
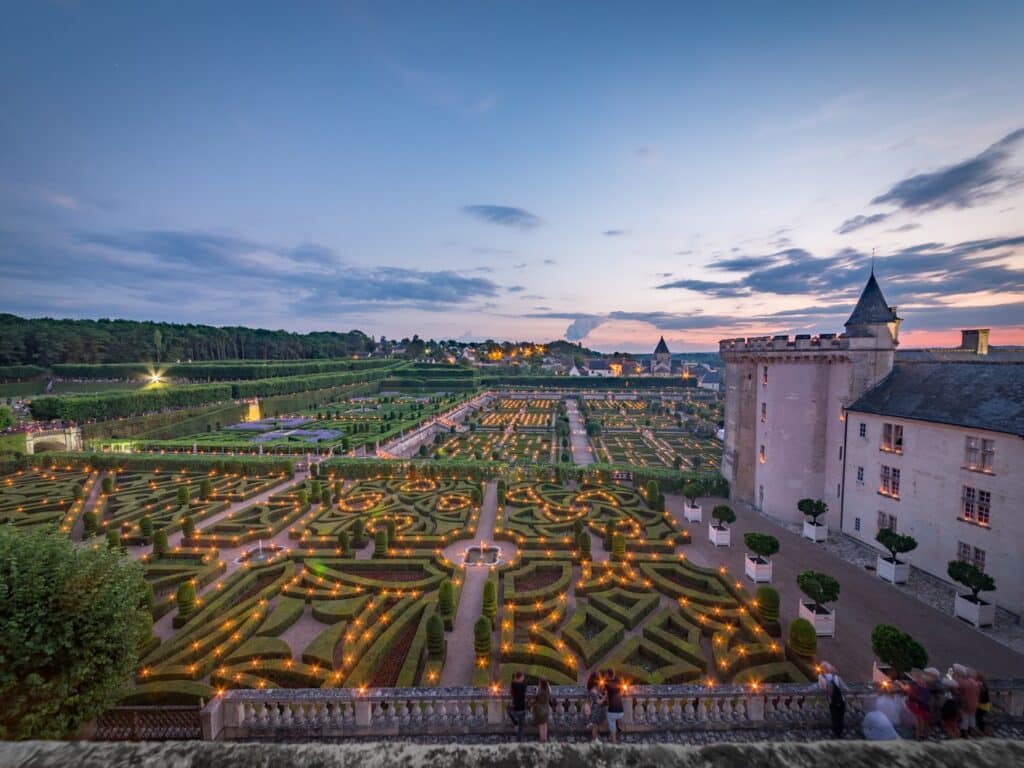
803,640
435,636
146,528
89,521
160,548
392,530
490,604
205,489
767,603
343,542
188,526
380,542
446,598
183,495
113,539
482,636
186,598
107,485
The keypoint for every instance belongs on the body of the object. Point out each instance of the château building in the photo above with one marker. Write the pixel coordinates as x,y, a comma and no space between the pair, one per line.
928,442
661,362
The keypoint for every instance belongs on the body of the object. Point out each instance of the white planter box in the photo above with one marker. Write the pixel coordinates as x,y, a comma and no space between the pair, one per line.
824,623
692,514
720,537
980,614
817,533
757,572
894,573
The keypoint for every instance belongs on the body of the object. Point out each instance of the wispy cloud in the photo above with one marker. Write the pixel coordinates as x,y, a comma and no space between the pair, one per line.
505,215
859,222
615,232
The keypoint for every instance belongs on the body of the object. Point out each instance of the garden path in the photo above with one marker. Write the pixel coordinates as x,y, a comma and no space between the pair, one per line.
78,530
864,600
581,452
461,657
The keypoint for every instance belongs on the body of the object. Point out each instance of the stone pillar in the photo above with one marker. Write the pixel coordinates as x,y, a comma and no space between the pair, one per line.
755,708
495,711
363,712
627,707
212,718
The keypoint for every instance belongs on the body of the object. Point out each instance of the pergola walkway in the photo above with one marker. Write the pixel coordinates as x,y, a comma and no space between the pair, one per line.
864,600
581,450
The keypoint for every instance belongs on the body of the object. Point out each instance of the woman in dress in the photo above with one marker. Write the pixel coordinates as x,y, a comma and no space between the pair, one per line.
597,701
542,708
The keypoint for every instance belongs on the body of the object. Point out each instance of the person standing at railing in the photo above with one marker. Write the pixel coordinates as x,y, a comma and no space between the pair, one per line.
596,706
517,709
541,710
613,692
830,682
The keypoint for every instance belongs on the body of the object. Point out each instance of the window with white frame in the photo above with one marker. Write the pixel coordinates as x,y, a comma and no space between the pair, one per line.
892,438
968,503
984,506
979,558
979,454
975,505
863,429
965,553
890,482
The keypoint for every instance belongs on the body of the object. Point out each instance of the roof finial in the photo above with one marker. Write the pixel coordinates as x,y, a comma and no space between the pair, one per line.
872,262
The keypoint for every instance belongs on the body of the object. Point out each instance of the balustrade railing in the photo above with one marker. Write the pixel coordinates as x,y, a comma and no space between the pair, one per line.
338,713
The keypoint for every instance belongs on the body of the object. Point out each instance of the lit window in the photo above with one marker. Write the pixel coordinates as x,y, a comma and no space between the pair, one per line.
764,411
761,455
892,438
968,503
764,375
890,485
979,454
984,506
860,474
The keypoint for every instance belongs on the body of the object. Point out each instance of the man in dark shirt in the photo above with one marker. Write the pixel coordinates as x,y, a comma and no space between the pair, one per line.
517,709
613,690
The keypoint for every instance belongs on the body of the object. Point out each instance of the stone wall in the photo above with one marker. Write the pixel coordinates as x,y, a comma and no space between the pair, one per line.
904,754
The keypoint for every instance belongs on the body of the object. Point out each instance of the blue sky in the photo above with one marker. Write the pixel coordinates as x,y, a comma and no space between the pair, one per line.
608,172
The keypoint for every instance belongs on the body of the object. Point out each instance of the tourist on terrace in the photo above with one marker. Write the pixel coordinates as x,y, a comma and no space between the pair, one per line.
919,702
830,682
970,692
597,703
984,704
893,706
517,709
613,693
542,704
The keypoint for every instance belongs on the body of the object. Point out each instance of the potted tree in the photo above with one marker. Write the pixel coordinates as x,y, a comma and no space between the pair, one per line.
718,531
813,508
692,511
971,607
820,588
898,653
891,568
757,565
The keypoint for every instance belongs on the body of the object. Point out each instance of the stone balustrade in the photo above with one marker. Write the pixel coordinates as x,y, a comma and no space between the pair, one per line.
339,713
801,342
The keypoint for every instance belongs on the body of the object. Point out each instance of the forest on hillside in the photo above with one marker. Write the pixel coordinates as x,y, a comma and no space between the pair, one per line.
46,341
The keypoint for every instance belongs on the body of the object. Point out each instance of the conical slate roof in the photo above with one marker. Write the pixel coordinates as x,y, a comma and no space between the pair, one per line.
662,348
871,307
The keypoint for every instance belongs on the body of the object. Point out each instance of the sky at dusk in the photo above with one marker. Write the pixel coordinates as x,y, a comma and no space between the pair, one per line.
597,171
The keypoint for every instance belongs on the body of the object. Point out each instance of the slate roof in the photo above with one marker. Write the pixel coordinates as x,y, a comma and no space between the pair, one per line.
662,348
711,377
871,306
982,395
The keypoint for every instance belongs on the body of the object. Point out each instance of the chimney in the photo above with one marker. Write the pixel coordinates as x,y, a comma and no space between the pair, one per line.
974,340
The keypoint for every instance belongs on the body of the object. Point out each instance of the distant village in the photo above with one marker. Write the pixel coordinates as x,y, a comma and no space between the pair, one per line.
558,358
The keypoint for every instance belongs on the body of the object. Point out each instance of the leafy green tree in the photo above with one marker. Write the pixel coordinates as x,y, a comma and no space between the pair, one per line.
761,544
435,636
971,577
72,620
6,417
490,602
482,636
803,640
724,515
897,544
812,508
897,649
820,588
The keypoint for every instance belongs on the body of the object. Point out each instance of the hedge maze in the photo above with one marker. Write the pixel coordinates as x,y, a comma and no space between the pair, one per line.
36,496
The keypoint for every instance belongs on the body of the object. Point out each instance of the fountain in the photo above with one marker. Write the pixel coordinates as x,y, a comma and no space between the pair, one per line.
481,554
261,554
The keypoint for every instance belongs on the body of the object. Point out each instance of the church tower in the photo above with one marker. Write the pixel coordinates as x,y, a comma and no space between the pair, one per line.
784,406
661,363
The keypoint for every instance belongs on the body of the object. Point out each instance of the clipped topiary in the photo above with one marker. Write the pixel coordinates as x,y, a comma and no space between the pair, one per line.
183,495
435,636
205,489
146,528
767,603
188,526
897,649
392,530
107,485
446,603
692,490
113,539
380,542
358,534
583,545
724,515
482,636
897,543
618,547
490,603
803,640
819,587
186,599
971,577
343,542
160,548
89,521
813,508
761,544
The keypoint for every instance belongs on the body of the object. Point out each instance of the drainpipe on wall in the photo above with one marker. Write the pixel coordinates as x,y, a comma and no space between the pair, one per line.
842,479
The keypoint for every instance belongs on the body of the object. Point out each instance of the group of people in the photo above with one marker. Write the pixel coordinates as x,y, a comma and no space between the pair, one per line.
959,701
603,704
